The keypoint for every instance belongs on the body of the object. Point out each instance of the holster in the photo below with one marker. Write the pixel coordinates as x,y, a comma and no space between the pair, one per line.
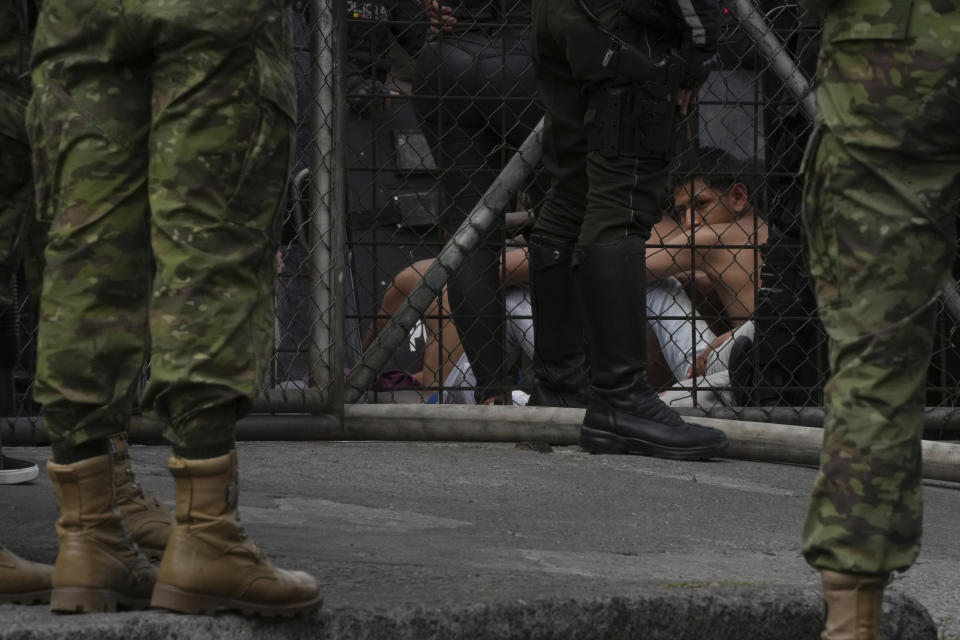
634,115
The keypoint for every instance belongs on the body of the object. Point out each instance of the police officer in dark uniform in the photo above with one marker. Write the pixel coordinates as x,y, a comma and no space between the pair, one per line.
612,76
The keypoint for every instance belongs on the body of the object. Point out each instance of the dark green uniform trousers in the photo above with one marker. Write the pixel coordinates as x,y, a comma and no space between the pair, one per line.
162,136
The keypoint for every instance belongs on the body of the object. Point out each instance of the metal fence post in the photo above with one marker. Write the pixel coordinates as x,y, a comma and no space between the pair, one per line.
326,352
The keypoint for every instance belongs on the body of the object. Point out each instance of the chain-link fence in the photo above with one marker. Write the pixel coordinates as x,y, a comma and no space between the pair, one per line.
403,275
429,133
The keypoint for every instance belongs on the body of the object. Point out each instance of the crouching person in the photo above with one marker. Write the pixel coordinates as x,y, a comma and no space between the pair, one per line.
161,136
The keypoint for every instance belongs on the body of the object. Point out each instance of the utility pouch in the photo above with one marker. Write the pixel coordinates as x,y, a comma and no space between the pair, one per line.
635,115
633,119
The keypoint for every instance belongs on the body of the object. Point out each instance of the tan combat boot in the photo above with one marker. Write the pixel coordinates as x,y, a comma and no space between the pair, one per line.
210,564
854,603
143,515
98,565
22,581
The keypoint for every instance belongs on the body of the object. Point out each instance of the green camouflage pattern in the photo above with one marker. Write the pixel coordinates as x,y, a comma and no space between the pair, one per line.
882,183
162,134
14,70
16,188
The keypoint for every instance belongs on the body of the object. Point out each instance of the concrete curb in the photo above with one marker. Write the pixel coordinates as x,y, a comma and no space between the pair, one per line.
685,611
762,441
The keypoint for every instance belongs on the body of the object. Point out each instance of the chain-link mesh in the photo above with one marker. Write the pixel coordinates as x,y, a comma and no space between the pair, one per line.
308,362
733,304
414,190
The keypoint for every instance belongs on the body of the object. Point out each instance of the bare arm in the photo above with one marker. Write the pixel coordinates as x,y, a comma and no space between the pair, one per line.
401,287
516,271
679,255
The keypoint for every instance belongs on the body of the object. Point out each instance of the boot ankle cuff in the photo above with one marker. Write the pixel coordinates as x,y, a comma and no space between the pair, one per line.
205,451
840,581
69,453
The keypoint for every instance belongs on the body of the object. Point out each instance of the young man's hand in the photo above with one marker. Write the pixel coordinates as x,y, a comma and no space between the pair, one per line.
699,367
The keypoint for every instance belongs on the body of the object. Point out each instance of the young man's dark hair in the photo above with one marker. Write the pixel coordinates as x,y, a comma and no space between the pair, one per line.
716,168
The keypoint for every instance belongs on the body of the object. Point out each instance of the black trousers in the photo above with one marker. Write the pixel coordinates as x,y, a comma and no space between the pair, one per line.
593,198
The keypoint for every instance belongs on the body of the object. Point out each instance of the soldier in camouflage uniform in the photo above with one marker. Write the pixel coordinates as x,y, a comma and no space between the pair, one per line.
162,135
882,183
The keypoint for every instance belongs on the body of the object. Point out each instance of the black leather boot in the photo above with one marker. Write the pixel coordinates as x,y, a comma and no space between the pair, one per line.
624,414
559,362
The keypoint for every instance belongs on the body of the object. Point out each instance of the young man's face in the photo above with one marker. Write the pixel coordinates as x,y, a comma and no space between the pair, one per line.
697,204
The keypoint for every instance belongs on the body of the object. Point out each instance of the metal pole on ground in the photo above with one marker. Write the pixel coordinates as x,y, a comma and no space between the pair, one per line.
764,442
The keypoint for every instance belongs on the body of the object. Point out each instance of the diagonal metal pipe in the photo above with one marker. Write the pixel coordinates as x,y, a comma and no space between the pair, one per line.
773,49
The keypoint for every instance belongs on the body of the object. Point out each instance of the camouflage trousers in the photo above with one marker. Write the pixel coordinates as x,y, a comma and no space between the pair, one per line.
16,185
882,181
162,135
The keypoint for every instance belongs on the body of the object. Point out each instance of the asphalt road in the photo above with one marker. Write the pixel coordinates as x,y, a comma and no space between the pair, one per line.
394,525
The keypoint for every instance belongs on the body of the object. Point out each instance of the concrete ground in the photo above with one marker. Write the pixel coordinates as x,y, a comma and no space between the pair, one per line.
425,541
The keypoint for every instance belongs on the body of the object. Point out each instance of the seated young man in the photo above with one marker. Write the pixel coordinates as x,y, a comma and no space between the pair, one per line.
670,313
715,246
711,243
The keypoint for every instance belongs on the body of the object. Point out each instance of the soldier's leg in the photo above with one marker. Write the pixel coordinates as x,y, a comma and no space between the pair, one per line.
88,121
220,151
16,206
878,269
21,238
882,182
16,186
15,177
878,265
16,200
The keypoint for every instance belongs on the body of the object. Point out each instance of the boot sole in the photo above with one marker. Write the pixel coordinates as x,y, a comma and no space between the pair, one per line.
599,442
18,476
181,601
28,597
87,600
